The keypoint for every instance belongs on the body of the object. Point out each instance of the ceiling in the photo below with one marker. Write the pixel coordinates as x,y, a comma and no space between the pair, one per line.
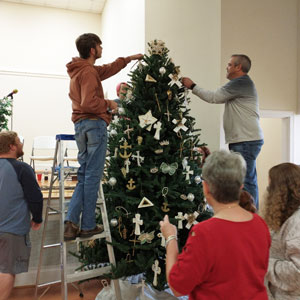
91,6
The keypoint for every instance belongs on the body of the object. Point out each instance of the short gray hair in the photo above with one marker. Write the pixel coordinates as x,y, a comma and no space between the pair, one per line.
244,60
224,172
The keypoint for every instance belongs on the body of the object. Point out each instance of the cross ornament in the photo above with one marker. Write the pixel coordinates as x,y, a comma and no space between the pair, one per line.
180,125
128,130
157,126
116,152
134,242
187,173
138,222
127,163
191,218
180,217
139,159
157,270
168,115
174,80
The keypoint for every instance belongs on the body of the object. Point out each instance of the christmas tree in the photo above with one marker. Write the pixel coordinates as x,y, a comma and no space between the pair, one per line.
153,170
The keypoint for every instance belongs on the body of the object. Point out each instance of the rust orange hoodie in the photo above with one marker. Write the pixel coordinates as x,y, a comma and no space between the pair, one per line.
86,90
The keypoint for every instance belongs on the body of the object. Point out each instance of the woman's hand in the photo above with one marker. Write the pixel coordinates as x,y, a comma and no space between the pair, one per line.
167,228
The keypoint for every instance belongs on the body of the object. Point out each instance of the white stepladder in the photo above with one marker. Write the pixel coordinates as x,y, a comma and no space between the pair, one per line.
59,173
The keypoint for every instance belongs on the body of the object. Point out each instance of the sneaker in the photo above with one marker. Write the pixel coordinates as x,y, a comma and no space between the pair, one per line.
88,233
71,231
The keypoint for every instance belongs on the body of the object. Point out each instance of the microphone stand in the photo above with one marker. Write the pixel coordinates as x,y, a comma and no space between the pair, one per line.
11,116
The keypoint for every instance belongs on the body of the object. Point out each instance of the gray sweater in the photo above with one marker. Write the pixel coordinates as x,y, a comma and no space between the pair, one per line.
20,196
241,117
283,277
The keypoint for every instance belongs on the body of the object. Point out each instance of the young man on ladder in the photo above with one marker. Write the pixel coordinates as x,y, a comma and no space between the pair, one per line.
91,115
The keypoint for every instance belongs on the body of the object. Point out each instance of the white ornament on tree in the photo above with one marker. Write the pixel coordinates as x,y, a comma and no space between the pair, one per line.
157,270
114,222
163,240
127,163
180,125
139,159
147,120
112,181
162,70
190,197
191,218
174,80
180,218
115,120
113,132
187,173
157,126
138,222
197,179
184,163
121,111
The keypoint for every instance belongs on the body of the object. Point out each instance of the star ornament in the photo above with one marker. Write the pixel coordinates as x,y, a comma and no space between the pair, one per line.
147,120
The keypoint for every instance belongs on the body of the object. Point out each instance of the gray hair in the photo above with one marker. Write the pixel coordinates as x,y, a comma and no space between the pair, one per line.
244,60
224,172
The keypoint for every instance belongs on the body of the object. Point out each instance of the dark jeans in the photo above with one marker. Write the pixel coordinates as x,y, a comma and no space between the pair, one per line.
250,151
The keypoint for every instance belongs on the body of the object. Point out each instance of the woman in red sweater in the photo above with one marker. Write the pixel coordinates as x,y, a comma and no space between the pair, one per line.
225,257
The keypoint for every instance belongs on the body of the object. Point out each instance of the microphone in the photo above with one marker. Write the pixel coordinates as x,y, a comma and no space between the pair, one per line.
12,93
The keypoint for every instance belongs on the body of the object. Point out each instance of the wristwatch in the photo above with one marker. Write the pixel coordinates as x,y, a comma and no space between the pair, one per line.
192,86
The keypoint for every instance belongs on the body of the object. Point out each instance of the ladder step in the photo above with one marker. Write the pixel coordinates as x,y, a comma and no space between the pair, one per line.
94,237
88,274
51,245
48,283
54,210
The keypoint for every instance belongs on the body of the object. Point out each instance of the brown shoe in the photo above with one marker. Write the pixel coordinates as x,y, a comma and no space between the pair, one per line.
88,233
71,231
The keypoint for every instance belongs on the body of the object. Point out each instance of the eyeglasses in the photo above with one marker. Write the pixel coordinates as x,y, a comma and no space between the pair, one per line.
203,179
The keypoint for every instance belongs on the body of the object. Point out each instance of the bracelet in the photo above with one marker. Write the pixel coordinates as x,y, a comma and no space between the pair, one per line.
192,86
170,238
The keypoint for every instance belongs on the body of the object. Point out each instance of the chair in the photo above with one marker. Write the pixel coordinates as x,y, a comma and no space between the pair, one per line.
43,148
70,152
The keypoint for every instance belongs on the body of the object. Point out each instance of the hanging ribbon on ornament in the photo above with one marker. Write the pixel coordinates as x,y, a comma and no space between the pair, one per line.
191,218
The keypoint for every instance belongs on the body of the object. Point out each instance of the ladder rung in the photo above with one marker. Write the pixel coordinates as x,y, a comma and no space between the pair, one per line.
94,237
53,210
53,213
51,245
87,274
48,283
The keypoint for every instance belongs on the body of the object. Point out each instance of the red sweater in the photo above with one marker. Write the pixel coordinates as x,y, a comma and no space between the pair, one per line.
86,90
224,260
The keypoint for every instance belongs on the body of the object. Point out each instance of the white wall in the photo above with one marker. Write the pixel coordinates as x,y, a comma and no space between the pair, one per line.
267,32
36,44
192,32
122,34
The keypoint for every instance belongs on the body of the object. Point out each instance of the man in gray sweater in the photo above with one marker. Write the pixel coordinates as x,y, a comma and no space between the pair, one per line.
21,203
241,115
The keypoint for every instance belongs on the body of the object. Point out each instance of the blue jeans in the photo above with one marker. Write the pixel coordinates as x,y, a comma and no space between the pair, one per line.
91,139
250,151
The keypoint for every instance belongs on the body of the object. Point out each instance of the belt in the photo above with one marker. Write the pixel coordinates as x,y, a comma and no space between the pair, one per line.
93,119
